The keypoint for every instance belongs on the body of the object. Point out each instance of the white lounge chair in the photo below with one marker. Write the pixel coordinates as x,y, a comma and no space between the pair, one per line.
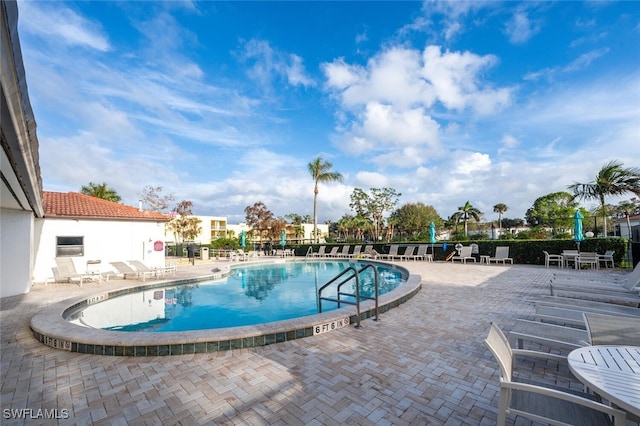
393,252
552,335
501,256
463,255
66,272
344,252
141,267
333,252
356,251
607,259
540,402
126,270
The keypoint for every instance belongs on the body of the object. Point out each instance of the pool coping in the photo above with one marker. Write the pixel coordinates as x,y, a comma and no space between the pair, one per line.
51,328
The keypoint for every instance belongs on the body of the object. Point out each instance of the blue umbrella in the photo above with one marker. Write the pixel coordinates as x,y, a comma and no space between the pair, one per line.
432,234
283,239
243,241
577,228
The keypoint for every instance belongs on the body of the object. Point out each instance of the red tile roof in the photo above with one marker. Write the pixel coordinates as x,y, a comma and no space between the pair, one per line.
80,206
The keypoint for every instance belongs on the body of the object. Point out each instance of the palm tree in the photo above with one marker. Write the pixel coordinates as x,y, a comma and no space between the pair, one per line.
500,209
101,191
320,172
611,180
464,213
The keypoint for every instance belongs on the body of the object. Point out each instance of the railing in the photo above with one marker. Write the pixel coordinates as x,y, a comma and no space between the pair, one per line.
353,274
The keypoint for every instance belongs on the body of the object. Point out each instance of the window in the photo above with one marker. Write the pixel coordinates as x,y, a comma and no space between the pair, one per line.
69,246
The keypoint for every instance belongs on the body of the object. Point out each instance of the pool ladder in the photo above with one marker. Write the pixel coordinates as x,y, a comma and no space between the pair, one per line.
352,274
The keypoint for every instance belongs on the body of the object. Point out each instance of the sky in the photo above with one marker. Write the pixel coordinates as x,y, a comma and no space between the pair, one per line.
226,103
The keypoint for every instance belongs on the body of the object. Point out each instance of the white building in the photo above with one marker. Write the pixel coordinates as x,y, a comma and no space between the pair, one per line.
21,186
92,229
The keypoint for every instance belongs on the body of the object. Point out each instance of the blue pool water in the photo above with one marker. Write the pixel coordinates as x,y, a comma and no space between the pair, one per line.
250,295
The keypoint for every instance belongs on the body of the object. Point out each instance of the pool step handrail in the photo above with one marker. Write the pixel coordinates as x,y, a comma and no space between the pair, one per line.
354,275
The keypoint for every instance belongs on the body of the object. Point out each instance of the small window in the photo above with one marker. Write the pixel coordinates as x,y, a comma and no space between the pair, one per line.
69,246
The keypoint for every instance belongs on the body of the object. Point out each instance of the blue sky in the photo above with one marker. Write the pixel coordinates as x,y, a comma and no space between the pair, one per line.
225,103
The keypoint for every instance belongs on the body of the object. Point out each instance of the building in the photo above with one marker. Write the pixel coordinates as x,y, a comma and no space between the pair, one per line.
96,231
21,201
621,227
217,226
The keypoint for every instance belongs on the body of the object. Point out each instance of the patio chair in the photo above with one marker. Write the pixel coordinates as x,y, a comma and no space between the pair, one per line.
421,253
552,258
540,402
587,306
320,253
463,255
599,295
408,253
607,258
502,255
587,258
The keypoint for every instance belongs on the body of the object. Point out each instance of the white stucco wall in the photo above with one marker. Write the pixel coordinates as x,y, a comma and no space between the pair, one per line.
16,240
107,241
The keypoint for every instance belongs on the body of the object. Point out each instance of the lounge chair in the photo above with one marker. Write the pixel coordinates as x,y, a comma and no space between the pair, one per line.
320,253
420,253
552,335
408,253
463,255
627,283
612,329
502,255
141,267
126,270
344,252
333,252
370,252
541,402
611,296
66,272
393,252
356,251
552,258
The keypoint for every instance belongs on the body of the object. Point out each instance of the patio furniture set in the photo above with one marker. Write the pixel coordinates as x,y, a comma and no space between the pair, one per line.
592,325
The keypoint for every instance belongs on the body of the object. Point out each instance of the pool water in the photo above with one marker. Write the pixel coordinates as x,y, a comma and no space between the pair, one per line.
250,295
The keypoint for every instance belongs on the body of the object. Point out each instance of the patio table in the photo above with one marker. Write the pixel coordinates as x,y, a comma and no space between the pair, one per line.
613,372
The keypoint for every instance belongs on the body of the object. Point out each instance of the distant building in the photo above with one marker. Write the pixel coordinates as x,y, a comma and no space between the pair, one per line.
621,227
217,226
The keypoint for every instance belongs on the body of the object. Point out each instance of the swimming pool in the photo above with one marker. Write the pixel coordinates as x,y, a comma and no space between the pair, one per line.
51,326
250,295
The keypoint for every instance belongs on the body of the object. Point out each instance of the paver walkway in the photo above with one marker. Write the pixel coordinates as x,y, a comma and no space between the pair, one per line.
423,364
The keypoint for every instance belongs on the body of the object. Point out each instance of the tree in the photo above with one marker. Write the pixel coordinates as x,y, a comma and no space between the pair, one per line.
465,213
152,197
260,218
374,206
101,191
500,209
611,180
184,225
626,209
320,172
553,210
415,218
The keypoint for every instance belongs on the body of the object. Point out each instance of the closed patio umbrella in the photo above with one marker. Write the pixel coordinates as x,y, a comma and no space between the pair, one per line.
432,234
577,228
283,239
243,241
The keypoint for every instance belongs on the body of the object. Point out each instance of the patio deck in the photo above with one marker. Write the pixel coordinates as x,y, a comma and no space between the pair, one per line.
424,363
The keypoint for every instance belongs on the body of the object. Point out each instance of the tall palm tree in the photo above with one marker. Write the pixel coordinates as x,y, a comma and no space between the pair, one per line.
320,172
100,191
611,180
500,209
464,213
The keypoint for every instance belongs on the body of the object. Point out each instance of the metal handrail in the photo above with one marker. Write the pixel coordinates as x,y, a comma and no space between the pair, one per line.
354,274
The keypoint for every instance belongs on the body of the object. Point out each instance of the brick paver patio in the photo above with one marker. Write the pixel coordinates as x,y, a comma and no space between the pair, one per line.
424,363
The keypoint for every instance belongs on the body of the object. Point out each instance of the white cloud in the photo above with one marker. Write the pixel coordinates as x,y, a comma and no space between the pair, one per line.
520,28
56,22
